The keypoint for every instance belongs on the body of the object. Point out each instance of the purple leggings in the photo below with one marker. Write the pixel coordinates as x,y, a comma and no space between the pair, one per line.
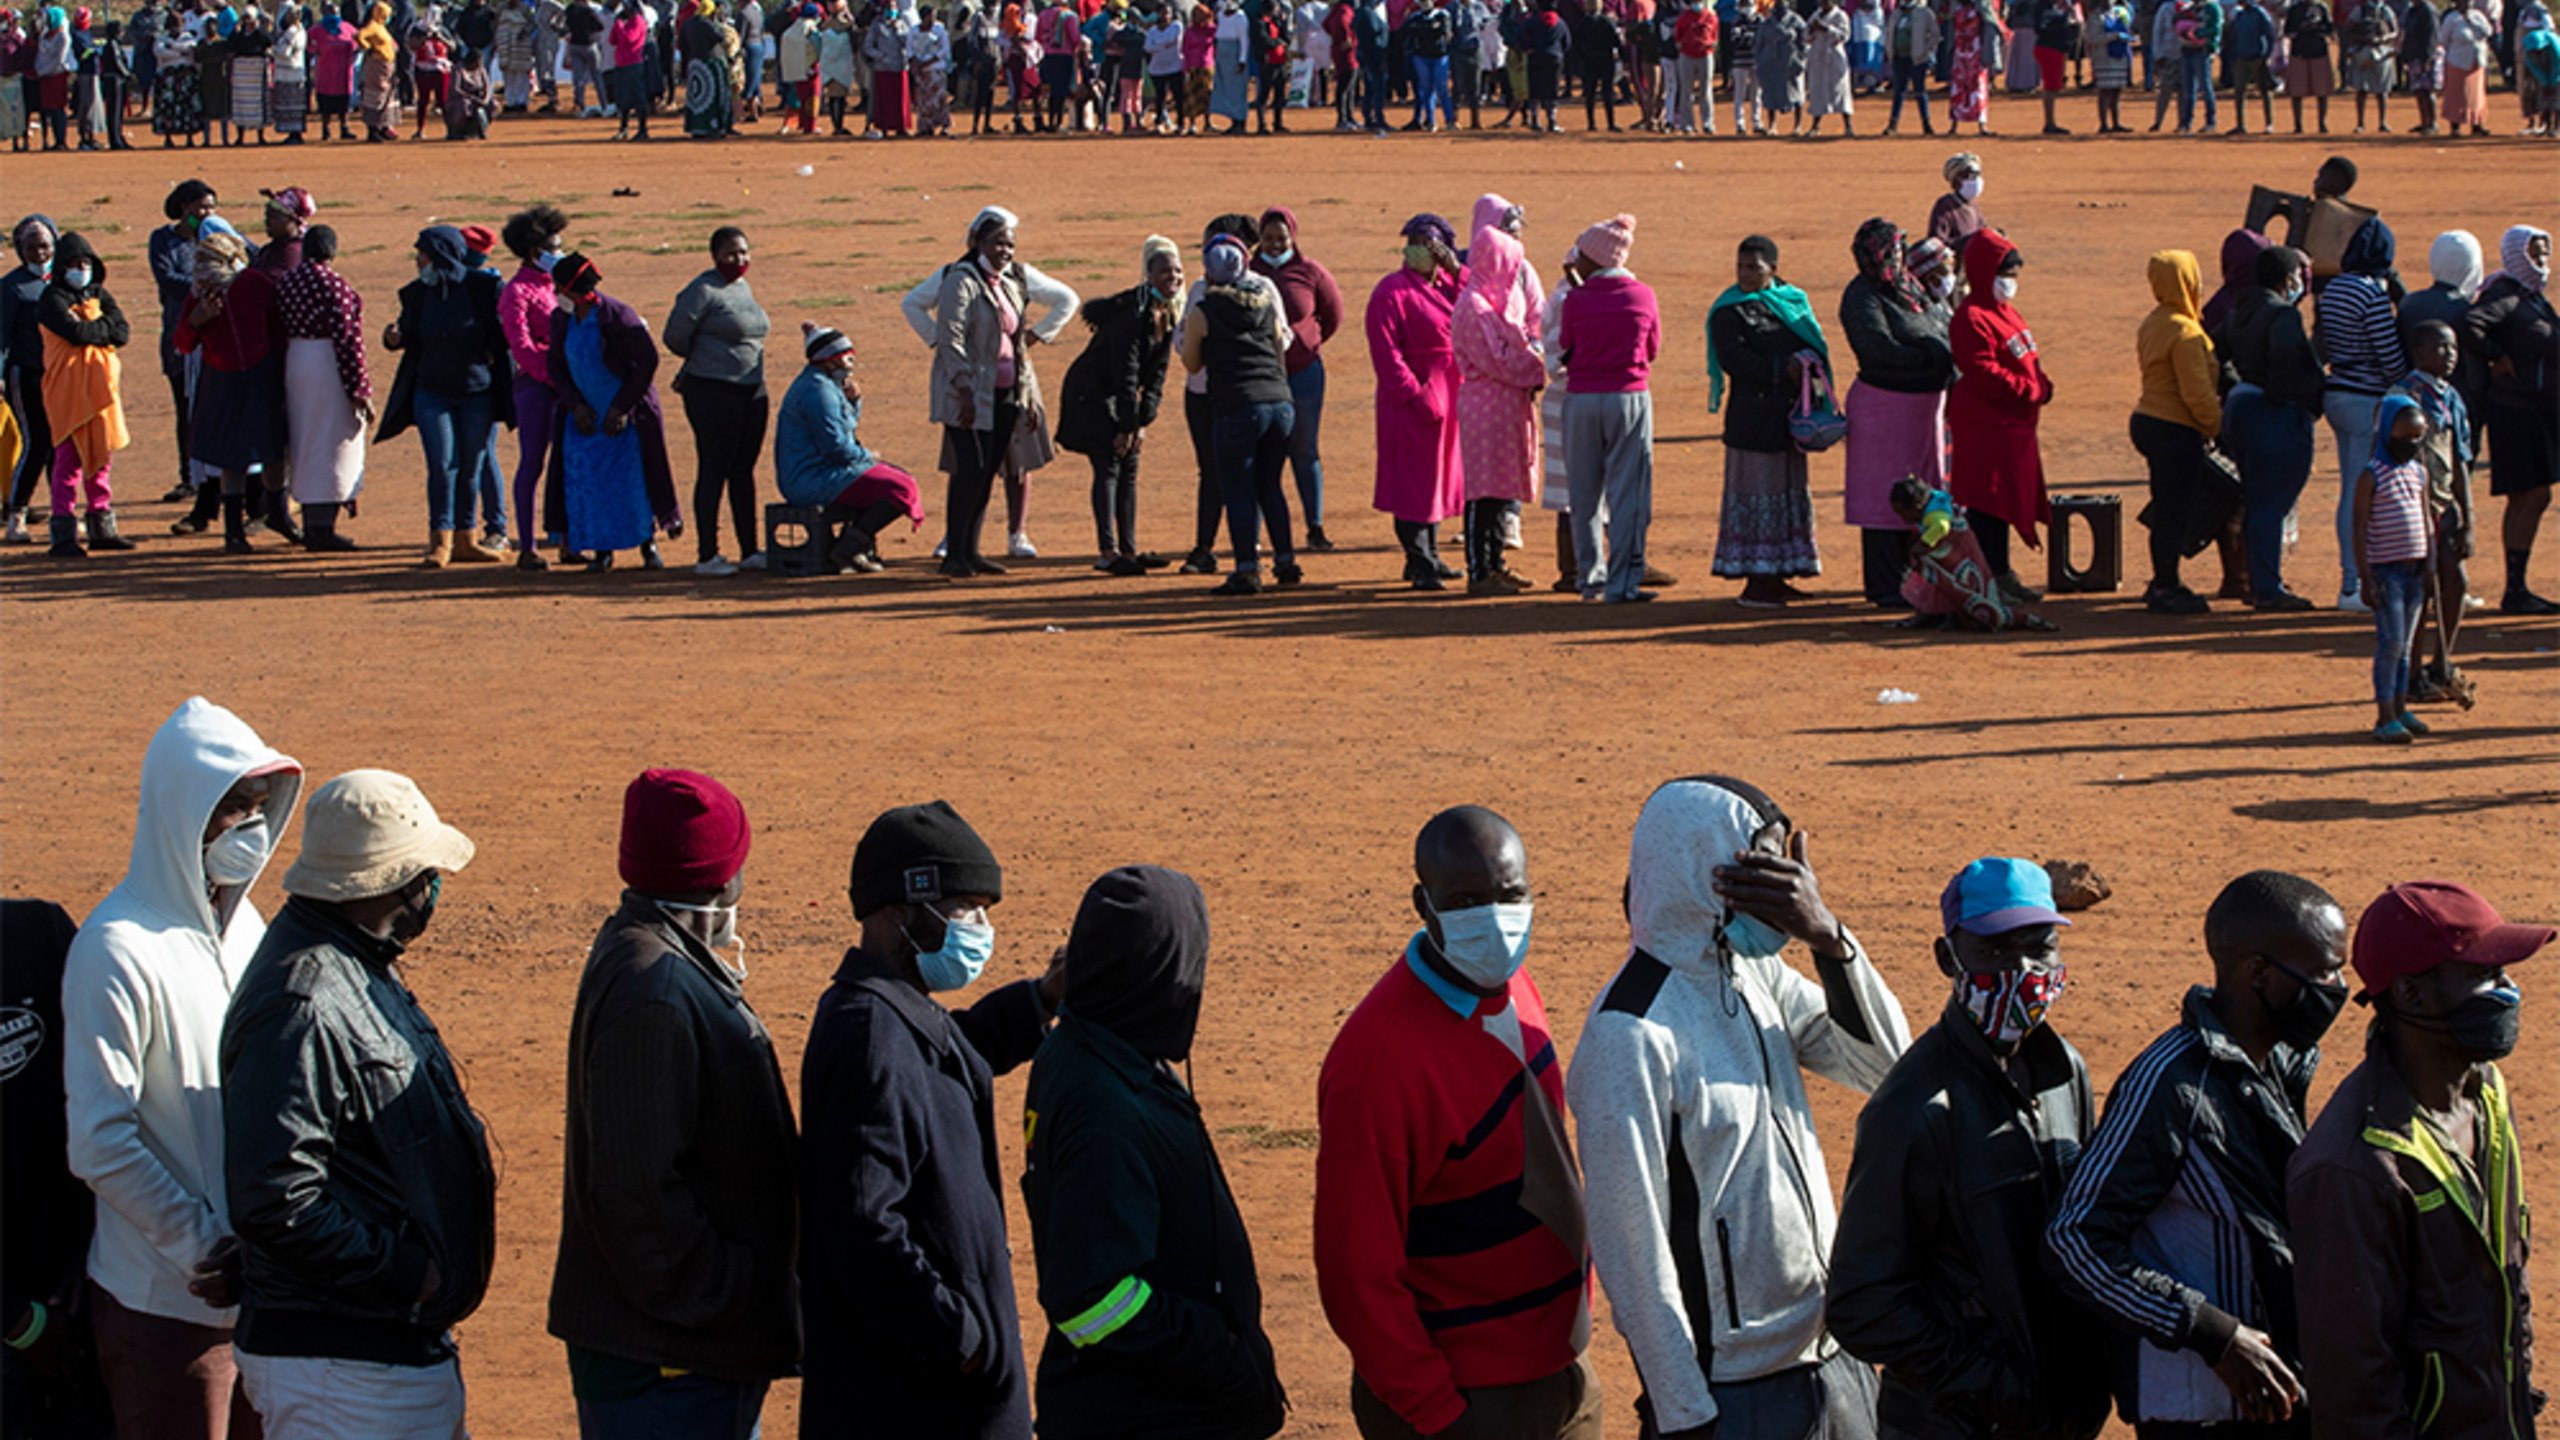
537,422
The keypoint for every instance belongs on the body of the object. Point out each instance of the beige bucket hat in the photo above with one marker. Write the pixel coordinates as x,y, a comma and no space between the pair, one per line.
367,833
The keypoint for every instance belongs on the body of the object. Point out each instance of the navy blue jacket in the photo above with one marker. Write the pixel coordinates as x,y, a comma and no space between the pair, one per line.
906,1280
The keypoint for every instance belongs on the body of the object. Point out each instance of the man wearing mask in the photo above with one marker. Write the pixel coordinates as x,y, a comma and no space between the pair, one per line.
1711,1217
674,1289
172,253
2174,1228
1449,1237
906,1279
1146,1267
359,1178
2408,1195
143,997
1937,1275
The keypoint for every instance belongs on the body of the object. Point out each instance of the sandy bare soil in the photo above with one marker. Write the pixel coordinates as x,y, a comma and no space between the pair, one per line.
1283,751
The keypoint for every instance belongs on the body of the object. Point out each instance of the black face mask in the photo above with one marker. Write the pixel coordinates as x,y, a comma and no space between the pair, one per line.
2481,1028
2401,451
2301,1024
412,921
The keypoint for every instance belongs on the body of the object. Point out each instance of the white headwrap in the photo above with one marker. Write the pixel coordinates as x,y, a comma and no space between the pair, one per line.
1010,220
2513,256
2455,260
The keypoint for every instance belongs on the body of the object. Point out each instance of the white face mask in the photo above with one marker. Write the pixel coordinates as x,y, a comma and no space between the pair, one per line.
237,855
2006,287
1970,187
77,277
1486,944
723,936
1945,284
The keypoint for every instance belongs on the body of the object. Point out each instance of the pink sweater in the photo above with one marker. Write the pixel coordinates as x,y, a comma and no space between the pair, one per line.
1610,334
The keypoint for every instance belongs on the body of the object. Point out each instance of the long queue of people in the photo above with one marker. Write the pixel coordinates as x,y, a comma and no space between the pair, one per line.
249,1193
224,71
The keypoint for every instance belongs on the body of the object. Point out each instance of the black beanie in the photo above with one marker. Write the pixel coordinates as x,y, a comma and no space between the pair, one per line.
918,854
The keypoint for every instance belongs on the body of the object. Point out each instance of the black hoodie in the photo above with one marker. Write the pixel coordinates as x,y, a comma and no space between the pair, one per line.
53,308
1146,1269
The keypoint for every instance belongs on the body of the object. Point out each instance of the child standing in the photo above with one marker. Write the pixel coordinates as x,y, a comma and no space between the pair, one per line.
2434,352
2394,537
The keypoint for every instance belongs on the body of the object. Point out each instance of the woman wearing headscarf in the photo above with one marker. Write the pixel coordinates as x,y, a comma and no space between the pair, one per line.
615,485
1957,217
2240,251
1779,62
83,395
710,102
1826,68
981,369
833,85
1494,337
525,303
328,392
237,421
1973,36
377,71
250,46
1897,410
1237,334
719,330
2178,415
1314,311
819,458
22,360
289,81
1761,333
884,48
2358,327
1995,468
1111,395
455,381
2270,411
1419,480
1228,97
2455,264
54,66
2511,332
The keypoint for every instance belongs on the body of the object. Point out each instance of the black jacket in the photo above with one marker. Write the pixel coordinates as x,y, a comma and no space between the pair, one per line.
906,1279
2510,322
350,1157
2262,343
44,1248
1115,385
1899,350
1754,347
1146,1269
1937,1272
2191,1112
678,1214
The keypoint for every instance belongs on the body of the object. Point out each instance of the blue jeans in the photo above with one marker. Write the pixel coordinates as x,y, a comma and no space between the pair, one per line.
1306,396
493,490
2272,444
456,432
684,1407
1913,77
1253,446
1373,92
2397,591
2351,417
2195,78
1431,87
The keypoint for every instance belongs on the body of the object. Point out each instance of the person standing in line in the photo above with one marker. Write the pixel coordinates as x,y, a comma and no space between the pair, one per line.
674,1290
2357,329
83,396
980,338
525,303
1609,330
2269,413
1937,1274
1495,339
149,980
2178,413
2396,539
1449,1235
616,488
1420,482
1146,1273
1312,305
1236,334
1691,62
2511,329
906,1277
1710,1205
359,1178
1555,477
1973,37
2174,1229
1995,468
718,330
1112,394
455,384
1826,71
22,358
1957,216
1897,409
171,252
1763,335
2413,1272
328,388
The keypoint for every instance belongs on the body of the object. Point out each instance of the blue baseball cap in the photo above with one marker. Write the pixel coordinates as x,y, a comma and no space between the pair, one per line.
1997,894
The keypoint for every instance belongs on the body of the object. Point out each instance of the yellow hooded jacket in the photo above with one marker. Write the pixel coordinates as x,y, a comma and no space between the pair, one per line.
2178,368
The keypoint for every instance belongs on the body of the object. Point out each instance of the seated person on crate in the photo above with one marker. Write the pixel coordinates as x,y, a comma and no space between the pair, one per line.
1948,582
819,459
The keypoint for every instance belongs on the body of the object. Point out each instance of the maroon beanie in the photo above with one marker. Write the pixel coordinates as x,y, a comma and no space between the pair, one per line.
682,832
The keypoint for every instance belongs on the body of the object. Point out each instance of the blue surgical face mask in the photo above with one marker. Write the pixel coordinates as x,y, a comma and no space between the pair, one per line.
1752,938
1283,258
1486,944
543,260
957,962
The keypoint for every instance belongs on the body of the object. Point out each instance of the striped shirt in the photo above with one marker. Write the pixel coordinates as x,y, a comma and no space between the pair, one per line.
2397,527
2360,335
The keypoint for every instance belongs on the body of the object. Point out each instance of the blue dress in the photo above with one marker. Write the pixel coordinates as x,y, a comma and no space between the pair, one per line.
607,494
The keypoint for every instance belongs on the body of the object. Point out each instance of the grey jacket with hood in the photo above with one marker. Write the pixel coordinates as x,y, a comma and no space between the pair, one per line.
1710,1208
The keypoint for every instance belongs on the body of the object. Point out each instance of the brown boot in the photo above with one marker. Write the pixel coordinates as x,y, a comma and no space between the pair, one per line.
439,549
475,549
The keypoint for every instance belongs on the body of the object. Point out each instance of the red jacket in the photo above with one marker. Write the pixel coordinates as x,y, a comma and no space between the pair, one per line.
1695,33
2000,389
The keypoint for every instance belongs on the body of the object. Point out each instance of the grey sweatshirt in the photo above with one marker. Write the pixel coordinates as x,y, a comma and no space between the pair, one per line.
718,330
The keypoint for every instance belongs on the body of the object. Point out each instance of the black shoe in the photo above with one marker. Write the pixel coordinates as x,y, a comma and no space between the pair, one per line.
2176,601
1316,541
983,566
650,559
533,561
1124,565
326,542
600,562
1199,562
103,534
1150,560
1445,570
1287,573
1426,579
181,493
2283,602
1243,582
2521,601
238,545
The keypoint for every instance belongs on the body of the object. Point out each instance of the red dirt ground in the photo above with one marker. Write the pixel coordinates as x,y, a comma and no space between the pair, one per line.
1283,751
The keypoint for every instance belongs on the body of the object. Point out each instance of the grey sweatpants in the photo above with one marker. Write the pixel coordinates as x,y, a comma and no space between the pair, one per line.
1608,448
1835,1400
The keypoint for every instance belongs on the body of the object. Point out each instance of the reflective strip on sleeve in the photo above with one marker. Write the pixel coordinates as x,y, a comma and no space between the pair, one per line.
1113,1311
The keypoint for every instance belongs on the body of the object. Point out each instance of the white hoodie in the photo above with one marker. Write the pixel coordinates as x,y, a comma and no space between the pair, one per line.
143,997
1686,1094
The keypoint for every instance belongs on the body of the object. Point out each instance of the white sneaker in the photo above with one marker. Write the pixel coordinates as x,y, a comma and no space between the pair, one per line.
938,547
1021,548
2475,602
752,562
18,529
718,567
1511,531
2353,601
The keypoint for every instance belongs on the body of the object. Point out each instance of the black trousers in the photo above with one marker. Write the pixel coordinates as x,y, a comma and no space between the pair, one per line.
728,423
1883,556
2175,454
26,393
1115,503
980,457
1484,537
178,403
1421,546
1204,449
1992,534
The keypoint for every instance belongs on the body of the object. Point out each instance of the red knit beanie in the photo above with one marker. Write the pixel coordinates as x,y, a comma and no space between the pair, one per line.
682,833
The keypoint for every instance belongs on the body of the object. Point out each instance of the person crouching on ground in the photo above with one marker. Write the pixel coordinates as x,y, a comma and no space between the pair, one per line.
1947,581
819,458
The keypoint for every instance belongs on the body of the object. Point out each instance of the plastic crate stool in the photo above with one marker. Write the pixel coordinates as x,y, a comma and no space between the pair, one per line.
2103,517
797,537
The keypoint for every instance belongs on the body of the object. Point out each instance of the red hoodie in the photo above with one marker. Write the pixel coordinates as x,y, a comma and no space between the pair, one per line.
2000,389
